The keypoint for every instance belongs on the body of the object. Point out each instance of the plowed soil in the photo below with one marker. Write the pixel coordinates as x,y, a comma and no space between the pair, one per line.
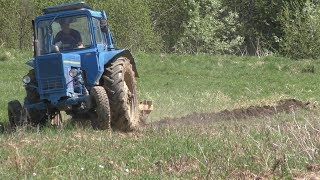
283,106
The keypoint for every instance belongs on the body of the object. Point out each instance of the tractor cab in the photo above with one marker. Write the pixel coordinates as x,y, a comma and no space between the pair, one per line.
64,34
71,28
72,43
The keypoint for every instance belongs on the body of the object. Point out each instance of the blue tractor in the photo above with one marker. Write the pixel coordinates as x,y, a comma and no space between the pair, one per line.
77,69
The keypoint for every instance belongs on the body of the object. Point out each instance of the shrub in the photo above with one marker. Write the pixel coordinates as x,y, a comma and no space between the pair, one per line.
168,18
210,29
301,25
131,24
15,23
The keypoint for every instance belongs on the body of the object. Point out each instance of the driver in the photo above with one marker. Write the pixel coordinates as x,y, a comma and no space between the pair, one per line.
68,38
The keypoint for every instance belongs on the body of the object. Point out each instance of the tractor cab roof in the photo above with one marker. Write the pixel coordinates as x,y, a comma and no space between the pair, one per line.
66,7
69,9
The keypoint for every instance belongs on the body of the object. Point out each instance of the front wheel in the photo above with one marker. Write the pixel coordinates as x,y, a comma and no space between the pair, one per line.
35,116
101,110
120,83
15,113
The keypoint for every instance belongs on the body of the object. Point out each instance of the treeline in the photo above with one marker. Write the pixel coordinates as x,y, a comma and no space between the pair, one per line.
241,27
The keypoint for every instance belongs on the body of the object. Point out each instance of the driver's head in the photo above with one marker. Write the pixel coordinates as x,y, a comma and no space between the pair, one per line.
65,25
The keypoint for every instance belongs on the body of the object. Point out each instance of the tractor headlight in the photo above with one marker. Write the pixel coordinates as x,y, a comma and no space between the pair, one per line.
73,72
26,79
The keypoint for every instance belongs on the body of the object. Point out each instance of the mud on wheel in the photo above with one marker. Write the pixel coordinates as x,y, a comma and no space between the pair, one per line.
101,113
119,82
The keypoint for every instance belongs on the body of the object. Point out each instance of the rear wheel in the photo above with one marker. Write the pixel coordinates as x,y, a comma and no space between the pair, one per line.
100,115
15,113
35,116
119,81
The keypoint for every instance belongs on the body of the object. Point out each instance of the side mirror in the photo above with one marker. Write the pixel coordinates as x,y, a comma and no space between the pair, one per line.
104,25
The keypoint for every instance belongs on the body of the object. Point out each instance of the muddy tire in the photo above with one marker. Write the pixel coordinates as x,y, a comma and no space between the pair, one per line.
100,115
35,116
120,84
15,113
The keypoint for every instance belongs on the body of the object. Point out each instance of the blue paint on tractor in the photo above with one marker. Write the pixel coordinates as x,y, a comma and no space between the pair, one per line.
65,103
65,75
52,74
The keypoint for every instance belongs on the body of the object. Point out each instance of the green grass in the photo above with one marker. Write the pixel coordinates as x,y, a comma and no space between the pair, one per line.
179,85
11,72
280,146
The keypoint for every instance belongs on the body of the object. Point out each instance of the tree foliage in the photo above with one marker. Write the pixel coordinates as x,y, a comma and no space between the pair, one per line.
168,18
301,26
210,29
15,28
251,27
131,24
261,26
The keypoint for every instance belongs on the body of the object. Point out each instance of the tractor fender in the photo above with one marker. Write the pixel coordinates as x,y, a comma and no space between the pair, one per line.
108,56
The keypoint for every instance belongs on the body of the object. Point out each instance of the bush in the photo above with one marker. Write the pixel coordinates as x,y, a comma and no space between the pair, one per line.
210,29
168,18
131,24
15,24
189,26
260,24
301,25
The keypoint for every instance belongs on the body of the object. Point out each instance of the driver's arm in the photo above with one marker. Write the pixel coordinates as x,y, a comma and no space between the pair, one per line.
80,45
57,39
79,39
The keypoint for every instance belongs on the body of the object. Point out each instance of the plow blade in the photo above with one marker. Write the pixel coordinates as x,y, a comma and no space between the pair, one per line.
145,108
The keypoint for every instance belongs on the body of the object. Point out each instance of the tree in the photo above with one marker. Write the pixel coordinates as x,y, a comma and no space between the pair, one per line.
210,29
168,18
15,24
301,25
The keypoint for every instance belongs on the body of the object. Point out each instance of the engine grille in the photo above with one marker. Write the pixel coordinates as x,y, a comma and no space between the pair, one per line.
51,83
51,75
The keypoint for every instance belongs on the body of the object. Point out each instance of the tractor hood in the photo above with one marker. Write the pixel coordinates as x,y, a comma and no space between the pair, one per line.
52,74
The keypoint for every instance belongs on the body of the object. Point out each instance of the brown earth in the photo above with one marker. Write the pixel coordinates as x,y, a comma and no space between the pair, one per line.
283,106
286,105
184,165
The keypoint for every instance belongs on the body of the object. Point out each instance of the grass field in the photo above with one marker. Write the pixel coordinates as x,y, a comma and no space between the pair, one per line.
280,146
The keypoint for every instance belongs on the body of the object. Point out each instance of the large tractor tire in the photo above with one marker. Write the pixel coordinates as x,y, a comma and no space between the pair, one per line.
35,116
120,84
15,113
101,113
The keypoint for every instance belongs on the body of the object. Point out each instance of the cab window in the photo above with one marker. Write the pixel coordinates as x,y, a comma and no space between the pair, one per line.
97,31
69,33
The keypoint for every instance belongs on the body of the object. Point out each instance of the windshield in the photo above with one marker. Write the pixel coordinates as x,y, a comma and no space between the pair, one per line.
67,33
